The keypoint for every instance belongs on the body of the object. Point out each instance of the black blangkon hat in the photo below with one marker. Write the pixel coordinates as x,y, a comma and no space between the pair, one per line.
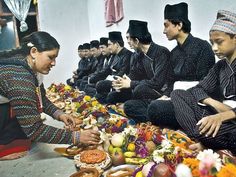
80,47
94,44
115,36
86,46
138,28
103,41
177,12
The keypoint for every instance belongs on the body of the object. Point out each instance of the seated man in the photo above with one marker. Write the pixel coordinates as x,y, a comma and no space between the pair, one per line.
97,63
102,73
85,65
119,66
149,66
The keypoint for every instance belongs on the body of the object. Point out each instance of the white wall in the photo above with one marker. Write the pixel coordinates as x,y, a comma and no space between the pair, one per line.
202,14
67,21
77,21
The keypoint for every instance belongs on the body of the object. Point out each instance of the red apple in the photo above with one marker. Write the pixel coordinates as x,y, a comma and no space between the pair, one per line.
117,158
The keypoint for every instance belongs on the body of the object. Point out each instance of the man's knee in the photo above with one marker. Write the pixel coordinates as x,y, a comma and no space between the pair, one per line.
129,107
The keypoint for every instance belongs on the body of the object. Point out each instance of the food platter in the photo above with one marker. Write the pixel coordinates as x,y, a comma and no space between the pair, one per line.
100,165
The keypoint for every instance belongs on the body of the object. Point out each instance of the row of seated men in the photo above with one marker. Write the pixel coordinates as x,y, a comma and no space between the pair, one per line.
112,73
146,79
101,60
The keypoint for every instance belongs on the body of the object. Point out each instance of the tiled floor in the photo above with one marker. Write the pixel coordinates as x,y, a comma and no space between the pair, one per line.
41,161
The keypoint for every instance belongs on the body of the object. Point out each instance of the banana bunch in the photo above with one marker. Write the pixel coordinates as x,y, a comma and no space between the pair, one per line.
136,160
131,158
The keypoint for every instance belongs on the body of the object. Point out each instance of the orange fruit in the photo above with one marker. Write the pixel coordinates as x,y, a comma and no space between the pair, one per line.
131,147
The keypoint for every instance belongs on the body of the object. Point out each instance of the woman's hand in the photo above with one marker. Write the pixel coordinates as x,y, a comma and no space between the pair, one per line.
68,120
210,125
89,137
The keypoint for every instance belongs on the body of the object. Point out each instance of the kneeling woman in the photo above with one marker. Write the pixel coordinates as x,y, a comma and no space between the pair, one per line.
22,99
207,112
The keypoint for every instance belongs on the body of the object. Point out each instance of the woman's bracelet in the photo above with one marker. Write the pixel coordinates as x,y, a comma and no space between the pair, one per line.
76,137
57,114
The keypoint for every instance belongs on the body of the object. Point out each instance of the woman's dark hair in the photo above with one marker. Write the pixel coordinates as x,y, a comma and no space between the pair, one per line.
43,41
146,39
186,25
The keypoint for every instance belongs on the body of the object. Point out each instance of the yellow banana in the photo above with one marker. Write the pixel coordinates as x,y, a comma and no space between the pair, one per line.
130,154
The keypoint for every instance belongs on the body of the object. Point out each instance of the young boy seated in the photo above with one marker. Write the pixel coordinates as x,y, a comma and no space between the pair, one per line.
206,112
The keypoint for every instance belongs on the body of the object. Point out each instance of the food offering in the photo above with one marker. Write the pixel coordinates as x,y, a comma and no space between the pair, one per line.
179,139
95,158
63,91
61,95
92,156
72,100
134,145
115,123
150,132
150,150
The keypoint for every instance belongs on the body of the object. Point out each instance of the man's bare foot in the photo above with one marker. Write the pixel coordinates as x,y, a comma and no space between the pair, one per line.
14,156
196,148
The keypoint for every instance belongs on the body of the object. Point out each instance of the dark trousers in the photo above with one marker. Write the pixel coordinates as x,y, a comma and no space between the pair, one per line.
9,127
90,90
78,82
143,92
161,113
137,110
103,88
83,83
188,113
119,97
